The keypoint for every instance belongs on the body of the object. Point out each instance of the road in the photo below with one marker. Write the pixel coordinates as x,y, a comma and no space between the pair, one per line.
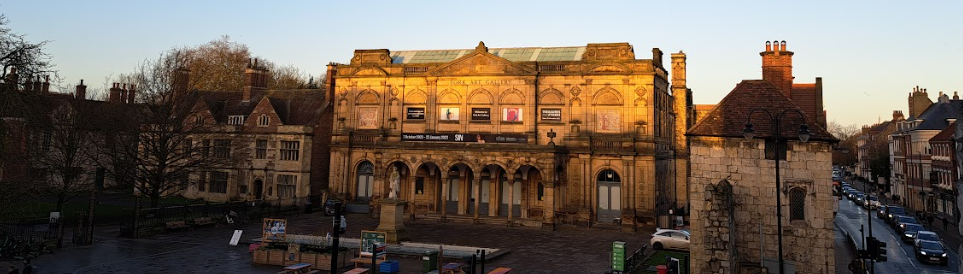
852,217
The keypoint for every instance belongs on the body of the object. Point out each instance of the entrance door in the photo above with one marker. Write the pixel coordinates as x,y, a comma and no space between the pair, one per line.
258,189
365,181
610,196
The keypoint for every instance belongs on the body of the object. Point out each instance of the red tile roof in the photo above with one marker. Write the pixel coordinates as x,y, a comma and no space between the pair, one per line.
946,135
728,118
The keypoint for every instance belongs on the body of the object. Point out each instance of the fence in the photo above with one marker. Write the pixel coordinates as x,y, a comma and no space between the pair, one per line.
148,221
29,238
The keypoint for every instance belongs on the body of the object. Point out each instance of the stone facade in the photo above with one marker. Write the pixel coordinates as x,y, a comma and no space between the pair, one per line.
576,134
807,242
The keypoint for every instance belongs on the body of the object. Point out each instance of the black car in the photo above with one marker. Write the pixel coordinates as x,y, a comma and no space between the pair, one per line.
930,252
892,212
881,212
329,206
901,221
909,232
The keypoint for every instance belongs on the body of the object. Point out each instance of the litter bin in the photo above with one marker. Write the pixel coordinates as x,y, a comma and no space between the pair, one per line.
662,269
429,261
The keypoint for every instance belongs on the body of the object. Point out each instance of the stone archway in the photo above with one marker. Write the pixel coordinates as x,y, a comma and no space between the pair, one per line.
527,194
364,181
457,189
609,206
426,189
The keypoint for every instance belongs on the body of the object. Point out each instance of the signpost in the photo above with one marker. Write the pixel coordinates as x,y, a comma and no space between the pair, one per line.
274,230
236,237
618,256
369,239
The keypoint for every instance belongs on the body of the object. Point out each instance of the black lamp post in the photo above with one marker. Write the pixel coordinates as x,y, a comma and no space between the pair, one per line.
748,132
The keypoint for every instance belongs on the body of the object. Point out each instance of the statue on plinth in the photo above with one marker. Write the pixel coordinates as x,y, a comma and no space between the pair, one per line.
395,183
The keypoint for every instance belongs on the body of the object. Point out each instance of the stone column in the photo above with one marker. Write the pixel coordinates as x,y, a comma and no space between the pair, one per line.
477,189
511,201
548,221
463,193
493,191
444,195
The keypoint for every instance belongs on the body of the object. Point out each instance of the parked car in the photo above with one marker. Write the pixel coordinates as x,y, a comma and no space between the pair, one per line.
881,212
670,239
329,206
909,232
930,252
901,222
892,212
871,202
927,236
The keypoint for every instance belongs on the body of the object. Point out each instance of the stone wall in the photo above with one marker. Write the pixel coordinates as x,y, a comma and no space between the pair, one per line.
808,242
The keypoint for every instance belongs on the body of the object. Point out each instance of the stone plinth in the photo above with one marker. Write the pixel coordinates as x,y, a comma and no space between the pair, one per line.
392,220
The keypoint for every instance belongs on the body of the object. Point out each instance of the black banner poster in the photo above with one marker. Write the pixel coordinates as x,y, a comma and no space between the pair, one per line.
481,114
464,138
416,113
552,114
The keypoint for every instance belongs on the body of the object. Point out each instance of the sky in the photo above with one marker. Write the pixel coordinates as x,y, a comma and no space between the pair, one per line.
870,54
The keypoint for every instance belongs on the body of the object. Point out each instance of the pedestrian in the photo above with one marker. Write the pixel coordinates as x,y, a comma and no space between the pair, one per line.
929,219
27,268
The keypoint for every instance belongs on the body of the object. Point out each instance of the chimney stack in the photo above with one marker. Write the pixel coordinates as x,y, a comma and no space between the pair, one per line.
956,96
37,85
898,115
114,96
131,93
28,85
12,79
46,85
81,92
777,66
123,94
255,80
182,79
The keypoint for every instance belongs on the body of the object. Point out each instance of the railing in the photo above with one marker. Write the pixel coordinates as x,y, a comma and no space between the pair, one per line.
363,139
416,69
635,260
603,144
152,220
549,68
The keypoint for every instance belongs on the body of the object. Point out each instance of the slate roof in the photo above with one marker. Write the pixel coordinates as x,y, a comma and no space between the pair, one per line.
934,117
294,107
539,54
946,135
728,118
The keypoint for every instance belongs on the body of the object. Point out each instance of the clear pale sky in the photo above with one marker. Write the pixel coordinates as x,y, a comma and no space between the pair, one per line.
870,53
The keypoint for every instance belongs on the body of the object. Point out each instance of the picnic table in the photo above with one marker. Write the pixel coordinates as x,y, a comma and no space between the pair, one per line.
301,268
452,268
357,270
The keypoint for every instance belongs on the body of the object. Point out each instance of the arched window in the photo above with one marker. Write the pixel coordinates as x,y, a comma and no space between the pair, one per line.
797,204
365,180
263,121
609,196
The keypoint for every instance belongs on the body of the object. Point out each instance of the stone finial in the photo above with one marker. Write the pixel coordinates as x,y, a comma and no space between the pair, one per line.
481,47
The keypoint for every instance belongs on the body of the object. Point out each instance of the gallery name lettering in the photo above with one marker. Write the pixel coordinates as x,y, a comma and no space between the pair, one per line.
481,82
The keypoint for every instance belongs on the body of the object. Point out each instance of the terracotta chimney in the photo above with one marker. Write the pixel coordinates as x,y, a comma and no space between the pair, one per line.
37,85
777,67
768,46
114,96
81,91
123,94
182,79
131,93
28,85
255,80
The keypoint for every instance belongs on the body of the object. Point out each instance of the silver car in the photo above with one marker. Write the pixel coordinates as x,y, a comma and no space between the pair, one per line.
670,239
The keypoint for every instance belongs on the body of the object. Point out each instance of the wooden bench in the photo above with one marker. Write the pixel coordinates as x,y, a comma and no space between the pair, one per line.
357,270
451,268
175,225
203,221
365,260
500,270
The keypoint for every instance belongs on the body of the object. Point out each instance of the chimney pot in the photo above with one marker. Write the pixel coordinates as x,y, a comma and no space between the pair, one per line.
782,45
768,46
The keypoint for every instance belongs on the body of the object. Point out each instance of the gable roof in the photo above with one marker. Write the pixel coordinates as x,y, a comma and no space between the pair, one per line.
729,117
293,107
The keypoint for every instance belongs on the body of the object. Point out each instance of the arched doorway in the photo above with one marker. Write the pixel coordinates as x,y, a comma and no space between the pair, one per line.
258,189
486,196
525,193
609,196
459,186
365,181
426,192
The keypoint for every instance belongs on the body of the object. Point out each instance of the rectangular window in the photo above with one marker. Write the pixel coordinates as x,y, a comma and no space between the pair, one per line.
287,185
289,150
541,191
47,140
206,148
263,121
260,149
771,150
420,185
235,120
202,182
222,148
797,204
219,182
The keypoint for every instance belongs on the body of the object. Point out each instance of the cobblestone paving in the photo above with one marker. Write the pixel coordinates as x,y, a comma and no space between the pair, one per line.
566,250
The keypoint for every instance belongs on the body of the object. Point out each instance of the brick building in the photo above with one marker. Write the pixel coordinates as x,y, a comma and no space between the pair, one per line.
911,151
942,196
872,146
277,141
733,180
524,136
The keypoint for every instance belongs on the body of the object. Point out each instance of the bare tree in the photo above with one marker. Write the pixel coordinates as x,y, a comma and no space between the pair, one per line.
847,135
161,142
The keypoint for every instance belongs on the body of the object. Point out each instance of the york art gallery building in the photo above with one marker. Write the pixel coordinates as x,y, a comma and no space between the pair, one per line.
523,136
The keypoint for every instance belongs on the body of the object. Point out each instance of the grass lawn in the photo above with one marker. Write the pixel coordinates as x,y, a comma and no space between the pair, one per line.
658,258
112,207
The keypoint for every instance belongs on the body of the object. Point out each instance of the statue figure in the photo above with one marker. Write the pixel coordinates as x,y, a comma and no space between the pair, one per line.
395,183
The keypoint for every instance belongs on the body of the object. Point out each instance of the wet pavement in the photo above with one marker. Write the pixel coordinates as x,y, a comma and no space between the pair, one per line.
206,250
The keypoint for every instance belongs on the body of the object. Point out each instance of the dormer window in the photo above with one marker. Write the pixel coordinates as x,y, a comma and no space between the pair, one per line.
235,120
263,121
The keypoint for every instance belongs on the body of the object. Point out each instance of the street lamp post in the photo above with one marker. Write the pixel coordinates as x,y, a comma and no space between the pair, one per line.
776,131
